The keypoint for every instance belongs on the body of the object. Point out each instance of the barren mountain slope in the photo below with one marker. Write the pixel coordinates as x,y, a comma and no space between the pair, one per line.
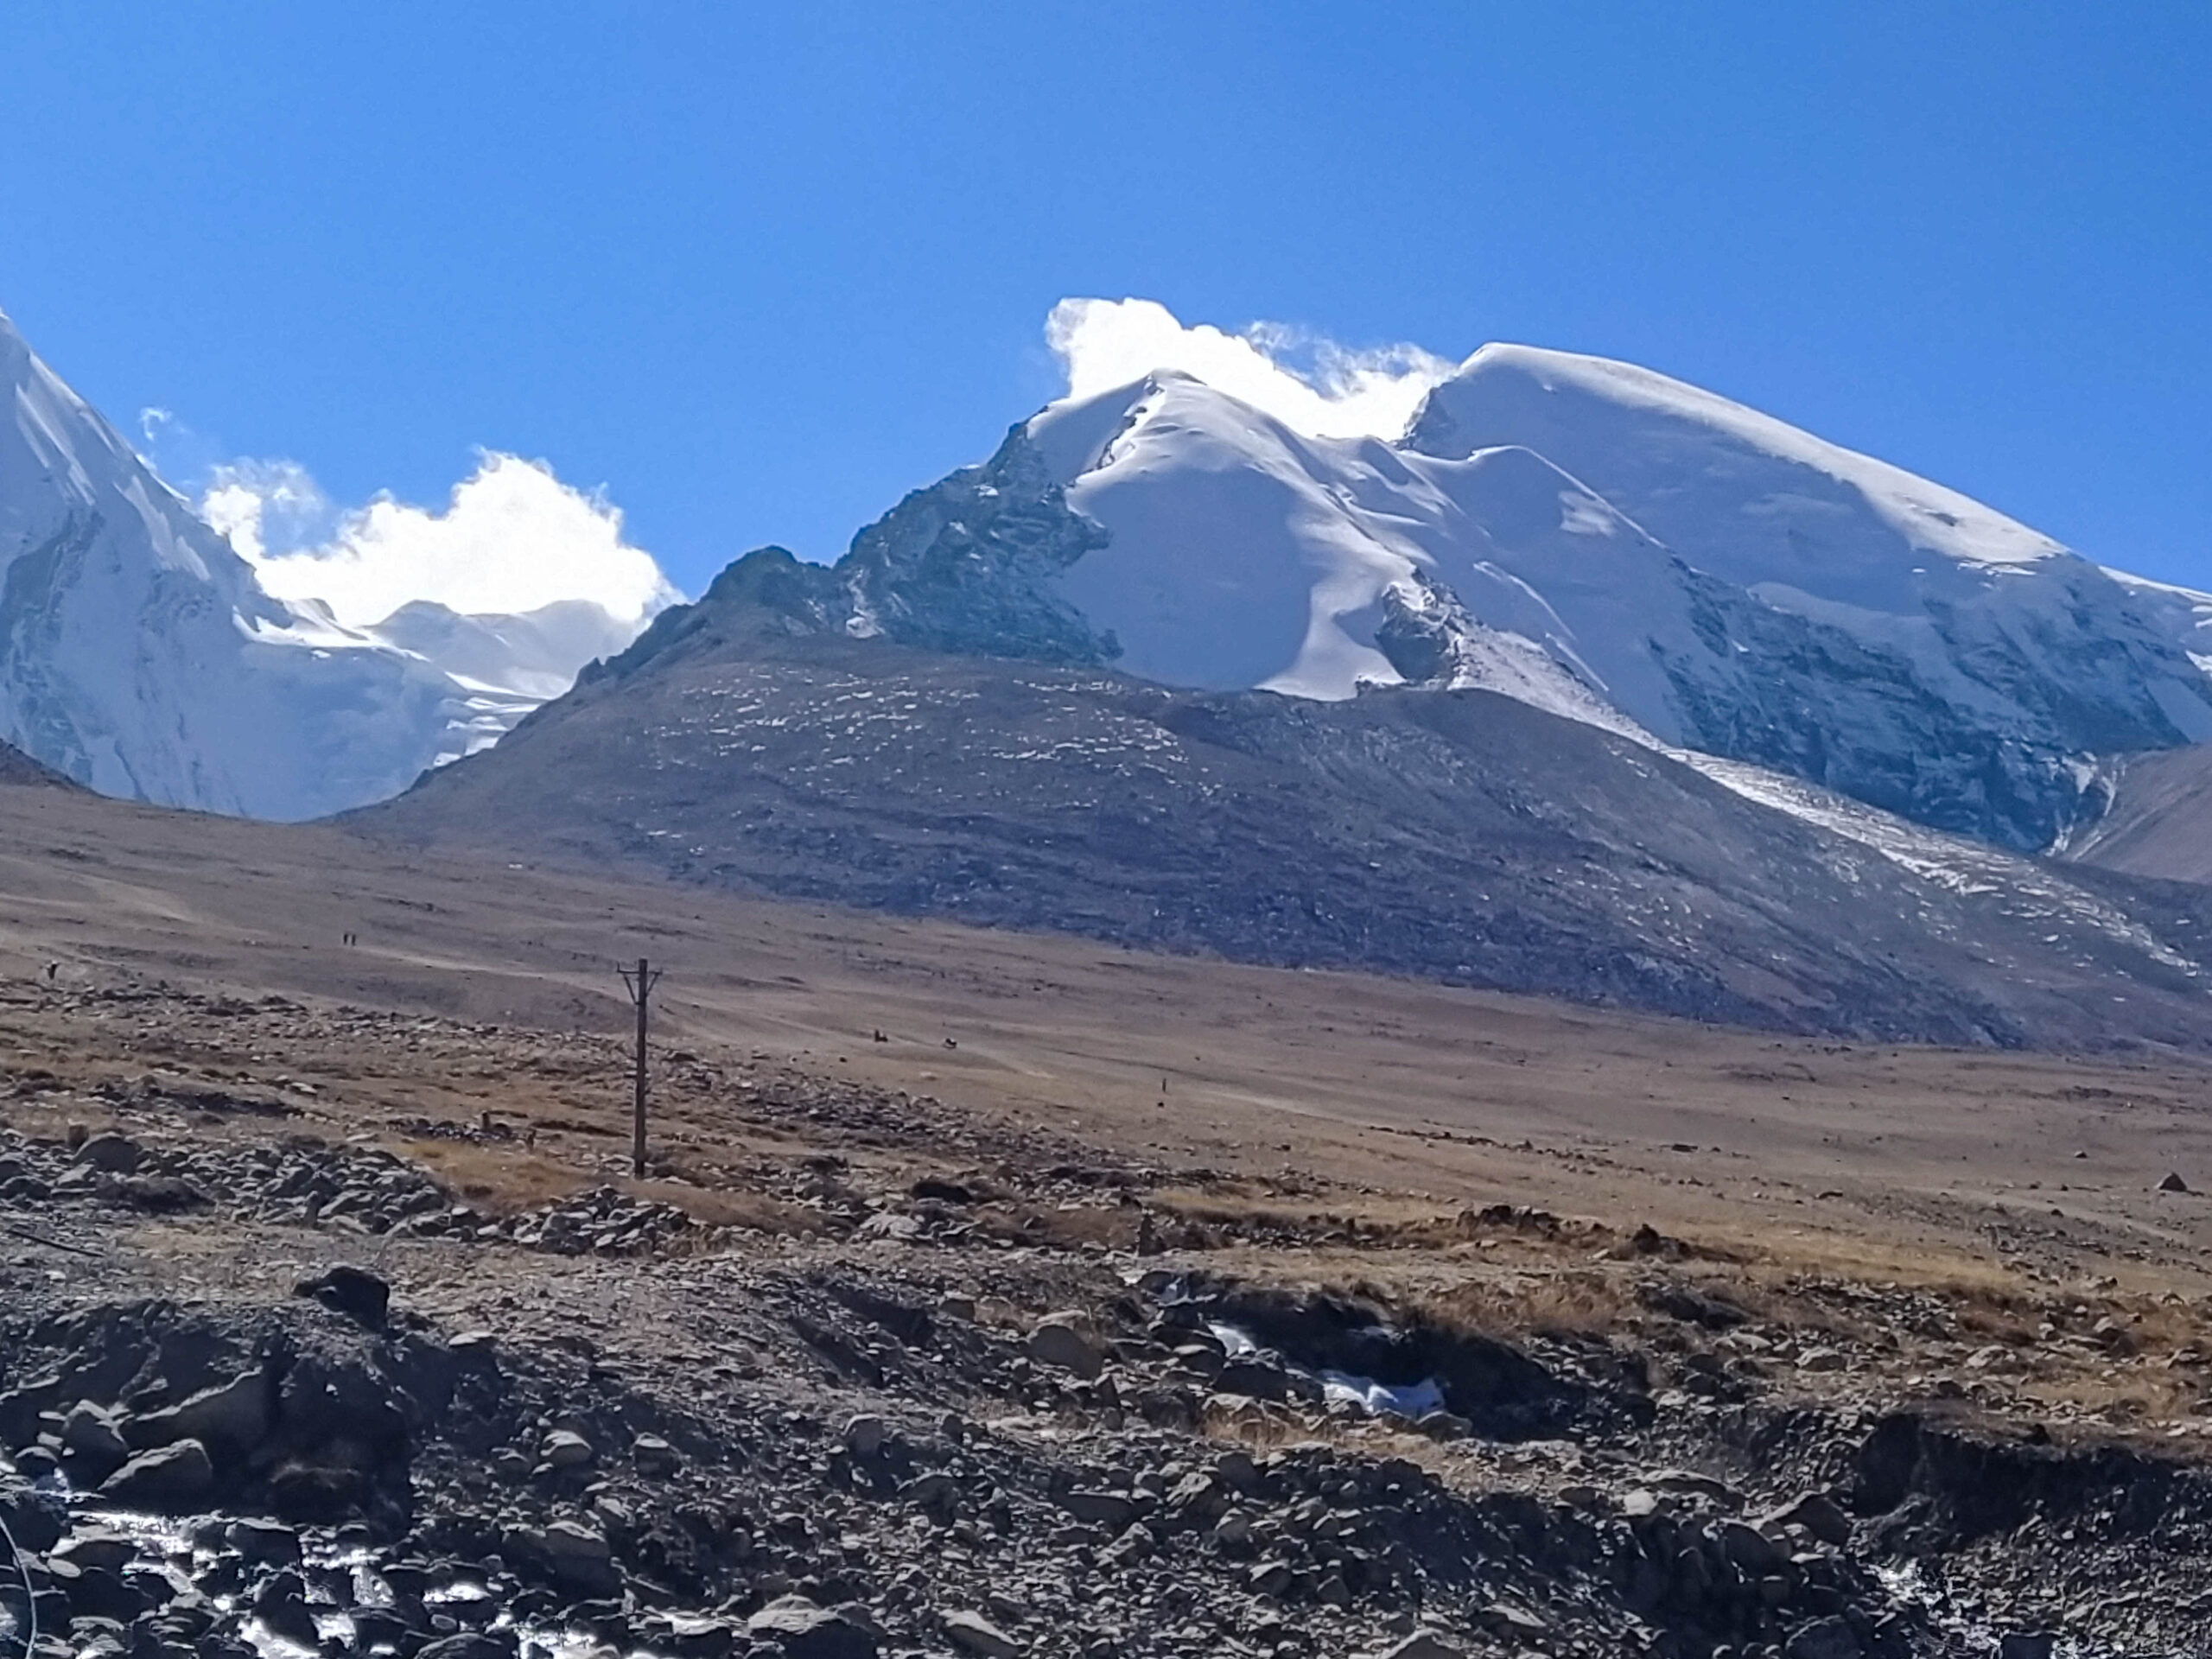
2160,820
1459,835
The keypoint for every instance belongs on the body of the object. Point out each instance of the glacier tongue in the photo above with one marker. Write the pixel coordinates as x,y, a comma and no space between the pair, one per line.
140,655
1621,546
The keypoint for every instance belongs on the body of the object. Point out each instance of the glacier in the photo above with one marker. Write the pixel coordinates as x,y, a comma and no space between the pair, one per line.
140,655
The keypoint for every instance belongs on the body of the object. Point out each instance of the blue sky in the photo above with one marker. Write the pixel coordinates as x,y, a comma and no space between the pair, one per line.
760,270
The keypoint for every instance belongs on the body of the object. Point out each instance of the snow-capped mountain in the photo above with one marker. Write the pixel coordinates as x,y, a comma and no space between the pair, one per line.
1604,542
140,655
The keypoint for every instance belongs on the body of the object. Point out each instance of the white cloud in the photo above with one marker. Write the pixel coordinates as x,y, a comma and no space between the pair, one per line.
1311,385
512,537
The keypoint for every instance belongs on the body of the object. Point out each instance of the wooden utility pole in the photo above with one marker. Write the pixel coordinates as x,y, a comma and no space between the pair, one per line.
640,981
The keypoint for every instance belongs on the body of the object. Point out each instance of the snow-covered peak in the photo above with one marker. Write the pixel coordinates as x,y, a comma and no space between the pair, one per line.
1608,543
1740,493
141,655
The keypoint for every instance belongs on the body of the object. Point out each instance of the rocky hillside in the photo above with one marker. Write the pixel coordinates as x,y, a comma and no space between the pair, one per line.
2159,823
751,741
303,1360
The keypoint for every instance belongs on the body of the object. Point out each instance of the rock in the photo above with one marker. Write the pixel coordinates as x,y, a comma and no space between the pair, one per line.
1255,1379
1061,1340
798,1629
34,1524
973,1633
108,1552
96,1593
91,1446
2173,1183
2026,1644
282,1606
1108,1509
1751,1550
469,1644
655,1456
235,1416
578,1557
360,1295
110,1155
1236,1471
566,1449
865,1435
1818,1513
1423,1644
1825,1638
265,1542
162,1195
167,1480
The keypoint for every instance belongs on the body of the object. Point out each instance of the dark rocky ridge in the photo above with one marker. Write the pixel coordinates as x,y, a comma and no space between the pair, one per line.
959,566
751,741
17,767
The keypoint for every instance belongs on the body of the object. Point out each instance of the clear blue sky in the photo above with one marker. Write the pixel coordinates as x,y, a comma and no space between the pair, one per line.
760,270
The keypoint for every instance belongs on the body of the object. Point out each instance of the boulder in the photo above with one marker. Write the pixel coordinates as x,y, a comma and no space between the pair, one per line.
110,1155
1423,1644
469,1644
1825,1638
282,1605
266,1543
358,1294
655,1456
167,1480
973,1633
1817,1513
234,1416
1751,1550
31,1521
578,1557
91,1446
1062,1340
799,1629
1100,1509
566,1449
